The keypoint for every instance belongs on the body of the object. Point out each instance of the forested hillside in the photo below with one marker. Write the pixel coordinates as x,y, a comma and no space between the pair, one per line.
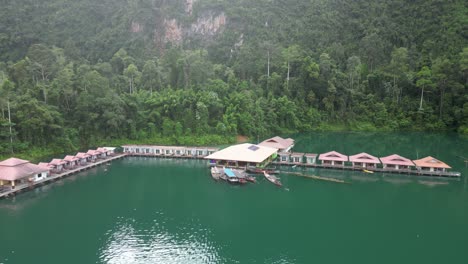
77,72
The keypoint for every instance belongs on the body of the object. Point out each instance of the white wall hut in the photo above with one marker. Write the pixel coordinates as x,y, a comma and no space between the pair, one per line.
15,172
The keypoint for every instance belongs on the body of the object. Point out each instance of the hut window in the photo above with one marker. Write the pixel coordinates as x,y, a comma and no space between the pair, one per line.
283,158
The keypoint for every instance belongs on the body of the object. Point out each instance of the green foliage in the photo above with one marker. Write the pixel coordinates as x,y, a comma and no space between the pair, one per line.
81,73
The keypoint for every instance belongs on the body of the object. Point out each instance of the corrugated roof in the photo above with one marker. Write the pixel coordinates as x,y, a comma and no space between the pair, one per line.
242,152
333,155
396,160
364,157
277,142
430,162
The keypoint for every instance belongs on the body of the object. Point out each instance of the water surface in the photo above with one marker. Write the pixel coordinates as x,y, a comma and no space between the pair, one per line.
151,210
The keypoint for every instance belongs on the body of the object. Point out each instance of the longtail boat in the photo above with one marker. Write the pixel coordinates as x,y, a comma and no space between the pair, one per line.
272,179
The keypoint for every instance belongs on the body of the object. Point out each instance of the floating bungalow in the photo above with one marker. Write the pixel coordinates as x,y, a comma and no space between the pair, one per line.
57,165
83,158
103,152
93,155
243,155
110,151
71,161
310,158
364,160
15,172
431,164
396,162
333,158
283,145
297,158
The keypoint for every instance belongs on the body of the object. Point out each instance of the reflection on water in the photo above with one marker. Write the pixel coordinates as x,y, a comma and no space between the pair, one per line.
133,242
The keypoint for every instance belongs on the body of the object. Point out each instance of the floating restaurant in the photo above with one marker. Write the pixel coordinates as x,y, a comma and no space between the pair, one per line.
243,155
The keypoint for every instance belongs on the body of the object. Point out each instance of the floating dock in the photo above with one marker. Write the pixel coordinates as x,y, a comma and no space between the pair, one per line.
55,177
445,174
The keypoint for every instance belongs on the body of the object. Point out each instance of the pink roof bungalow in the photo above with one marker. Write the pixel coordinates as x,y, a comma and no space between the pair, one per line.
431,164
396,162
333,158
15,171
71,161
57,164
83,157
364,160
93,154
283,145
103,151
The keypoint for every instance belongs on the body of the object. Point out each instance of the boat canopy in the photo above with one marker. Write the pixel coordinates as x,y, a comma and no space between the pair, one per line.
229,173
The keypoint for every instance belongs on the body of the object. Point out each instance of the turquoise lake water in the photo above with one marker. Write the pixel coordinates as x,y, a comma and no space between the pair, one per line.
151,210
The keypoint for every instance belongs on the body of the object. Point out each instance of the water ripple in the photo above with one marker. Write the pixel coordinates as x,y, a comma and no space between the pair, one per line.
128,244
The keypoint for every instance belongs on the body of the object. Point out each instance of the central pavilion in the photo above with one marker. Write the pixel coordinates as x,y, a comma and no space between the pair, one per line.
244,155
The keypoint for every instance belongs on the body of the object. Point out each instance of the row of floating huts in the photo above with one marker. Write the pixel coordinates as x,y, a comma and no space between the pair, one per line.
363,161
277,150
169,151
17,172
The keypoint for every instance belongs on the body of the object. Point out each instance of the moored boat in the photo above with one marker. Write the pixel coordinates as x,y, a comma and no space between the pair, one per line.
272,179
215,173
251,179
232,177
367,171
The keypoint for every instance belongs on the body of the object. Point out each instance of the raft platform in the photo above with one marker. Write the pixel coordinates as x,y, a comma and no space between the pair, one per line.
445,174
55,177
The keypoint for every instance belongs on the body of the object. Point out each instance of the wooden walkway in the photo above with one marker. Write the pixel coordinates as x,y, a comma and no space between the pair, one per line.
132,154
54,177
386,170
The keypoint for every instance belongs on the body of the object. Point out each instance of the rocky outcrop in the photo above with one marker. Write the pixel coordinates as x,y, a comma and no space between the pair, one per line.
173,32
209,24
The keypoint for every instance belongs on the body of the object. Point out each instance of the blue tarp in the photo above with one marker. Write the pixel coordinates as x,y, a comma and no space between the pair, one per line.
229,173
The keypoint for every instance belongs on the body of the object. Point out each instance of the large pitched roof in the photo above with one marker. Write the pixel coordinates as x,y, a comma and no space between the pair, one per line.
14,169
278,142
245,152
364,157
396,160
333,155
431,163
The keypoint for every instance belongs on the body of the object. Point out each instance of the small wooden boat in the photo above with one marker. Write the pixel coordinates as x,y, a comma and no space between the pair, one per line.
367,171
251,179
215,173
272,179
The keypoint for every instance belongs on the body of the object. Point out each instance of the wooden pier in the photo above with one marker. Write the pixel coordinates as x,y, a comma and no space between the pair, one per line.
54,177
444,174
